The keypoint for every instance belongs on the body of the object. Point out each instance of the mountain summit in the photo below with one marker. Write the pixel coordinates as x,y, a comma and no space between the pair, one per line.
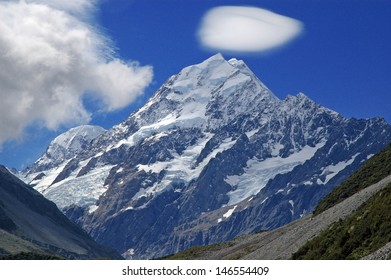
213,154
66,146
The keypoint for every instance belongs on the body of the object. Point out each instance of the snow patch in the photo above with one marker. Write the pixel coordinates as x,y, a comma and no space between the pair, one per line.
263,201
332,170
292,203
277,148
98,155
252,133
319,181
230,212
92,209
258,173
369,156
129,253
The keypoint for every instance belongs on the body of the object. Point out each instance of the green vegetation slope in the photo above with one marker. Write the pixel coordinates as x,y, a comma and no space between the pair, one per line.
375,169
363,232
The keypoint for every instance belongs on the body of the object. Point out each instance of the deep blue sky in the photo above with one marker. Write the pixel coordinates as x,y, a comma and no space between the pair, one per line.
341,61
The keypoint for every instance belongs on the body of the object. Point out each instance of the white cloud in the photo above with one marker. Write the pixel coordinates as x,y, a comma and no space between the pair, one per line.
50,60
246,29
73,6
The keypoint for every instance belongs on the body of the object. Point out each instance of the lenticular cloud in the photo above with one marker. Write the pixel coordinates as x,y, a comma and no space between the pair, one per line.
246,29
50,60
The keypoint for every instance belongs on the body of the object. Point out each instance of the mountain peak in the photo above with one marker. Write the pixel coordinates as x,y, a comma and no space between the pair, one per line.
67,145
216,57
69,138
211,93
209,63
301,95
300,102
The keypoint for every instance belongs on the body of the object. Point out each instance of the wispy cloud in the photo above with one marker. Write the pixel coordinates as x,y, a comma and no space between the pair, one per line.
51,58
246,29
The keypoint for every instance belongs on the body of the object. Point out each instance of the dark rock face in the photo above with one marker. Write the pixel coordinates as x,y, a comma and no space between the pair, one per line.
213,154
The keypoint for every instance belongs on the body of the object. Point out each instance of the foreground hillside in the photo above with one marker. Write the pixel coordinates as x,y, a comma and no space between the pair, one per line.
33,227
367,230
357,226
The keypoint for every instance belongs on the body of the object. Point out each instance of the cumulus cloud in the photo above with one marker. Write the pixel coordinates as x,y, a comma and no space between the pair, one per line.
81,7
50,60
246,29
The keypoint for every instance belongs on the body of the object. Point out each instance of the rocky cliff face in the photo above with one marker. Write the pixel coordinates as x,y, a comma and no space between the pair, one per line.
213,154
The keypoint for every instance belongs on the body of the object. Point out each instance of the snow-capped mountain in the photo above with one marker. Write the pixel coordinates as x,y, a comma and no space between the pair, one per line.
61,151
213,154
66,146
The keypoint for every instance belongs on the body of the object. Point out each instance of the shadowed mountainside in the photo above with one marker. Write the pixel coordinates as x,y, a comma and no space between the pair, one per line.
29,223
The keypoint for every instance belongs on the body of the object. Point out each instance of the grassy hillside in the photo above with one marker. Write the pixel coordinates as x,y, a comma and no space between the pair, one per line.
29,256
374,170
11,244
363,232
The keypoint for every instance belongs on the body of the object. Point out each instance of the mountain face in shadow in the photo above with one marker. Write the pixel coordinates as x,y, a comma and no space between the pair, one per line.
29,223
